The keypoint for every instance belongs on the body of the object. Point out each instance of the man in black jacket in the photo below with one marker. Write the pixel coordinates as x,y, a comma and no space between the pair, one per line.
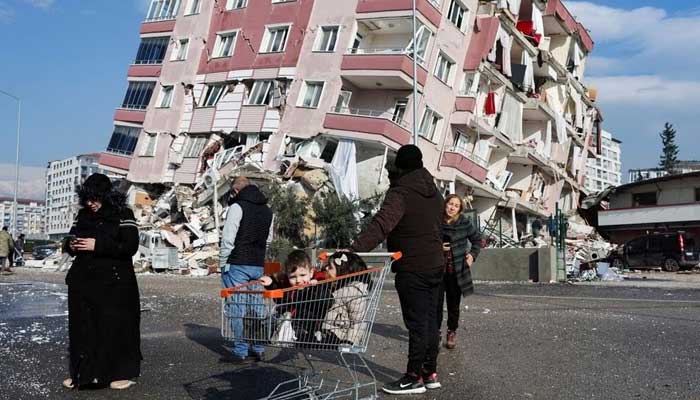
242,255
411,220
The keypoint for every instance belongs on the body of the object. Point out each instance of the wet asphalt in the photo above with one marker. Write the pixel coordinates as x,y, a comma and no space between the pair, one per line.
516,341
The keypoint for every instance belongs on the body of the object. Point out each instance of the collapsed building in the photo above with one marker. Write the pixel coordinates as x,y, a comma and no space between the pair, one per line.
220,88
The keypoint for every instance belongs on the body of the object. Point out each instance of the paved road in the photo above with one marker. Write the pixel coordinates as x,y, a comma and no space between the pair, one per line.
516,342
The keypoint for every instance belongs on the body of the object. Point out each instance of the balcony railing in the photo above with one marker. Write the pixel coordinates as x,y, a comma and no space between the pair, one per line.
468,154
378,50
366,112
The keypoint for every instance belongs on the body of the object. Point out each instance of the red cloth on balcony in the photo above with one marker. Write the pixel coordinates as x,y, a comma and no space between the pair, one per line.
528,29
490,104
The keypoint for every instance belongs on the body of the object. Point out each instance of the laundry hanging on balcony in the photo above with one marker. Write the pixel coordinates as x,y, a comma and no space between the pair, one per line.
343,170
500,52
511,122
490,104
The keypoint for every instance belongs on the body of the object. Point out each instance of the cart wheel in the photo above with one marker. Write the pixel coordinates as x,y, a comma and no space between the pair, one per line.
671,265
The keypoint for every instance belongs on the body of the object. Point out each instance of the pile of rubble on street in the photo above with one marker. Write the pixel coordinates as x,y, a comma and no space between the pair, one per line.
588,253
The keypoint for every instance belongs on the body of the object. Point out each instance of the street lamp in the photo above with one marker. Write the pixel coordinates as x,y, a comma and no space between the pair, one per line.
19,119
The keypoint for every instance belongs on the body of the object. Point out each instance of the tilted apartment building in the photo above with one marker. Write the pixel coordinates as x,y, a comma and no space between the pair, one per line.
502,112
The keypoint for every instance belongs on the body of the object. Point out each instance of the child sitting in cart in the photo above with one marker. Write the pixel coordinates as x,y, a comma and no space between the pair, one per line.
343,323
301,310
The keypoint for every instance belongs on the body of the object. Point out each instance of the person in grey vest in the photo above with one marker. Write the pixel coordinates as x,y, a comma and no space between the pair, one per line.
242,256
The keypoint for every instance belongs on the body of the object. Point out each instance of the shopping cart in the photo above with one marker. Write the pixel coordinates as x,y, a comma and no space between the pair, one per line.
332,316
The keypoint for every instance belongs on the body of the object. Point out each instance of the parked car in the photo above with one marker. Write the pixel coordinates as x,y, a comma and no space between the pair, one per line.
670,251
42,252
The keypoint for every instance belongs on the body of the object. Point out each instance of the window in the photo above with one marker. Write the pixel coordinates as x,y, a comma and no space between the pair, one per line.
443,68
328,38
644,199
166,96
212,94
162,9
470,84
123,140
357,42
180,50
399,110
261,94
312,94
152,50
281,1
458,15
461,143
429,124
194,146
149,145
275,39
225,43
423,35
138,95
343,102
195,6
234,4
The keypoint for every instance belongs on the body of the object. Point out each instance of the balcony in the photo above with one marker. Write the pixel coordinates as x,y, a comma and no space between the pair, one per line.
366,124
468,164
427,8
129,115
145,70
381,69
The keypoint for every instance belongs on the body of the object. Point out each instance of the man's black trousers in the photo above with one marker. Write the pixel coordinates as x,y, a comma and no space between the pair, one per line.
418,295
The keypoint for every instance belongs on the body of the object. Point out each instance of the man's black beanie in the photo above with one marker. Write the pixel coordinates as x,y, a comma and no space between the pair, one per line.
409,157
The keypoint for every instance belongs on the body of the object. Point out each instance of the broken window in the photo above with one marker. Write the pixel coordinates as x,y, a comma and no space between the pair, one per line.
423,35
180,50
461,143
399,111
458,15
261,93
343,102
195,146
212,94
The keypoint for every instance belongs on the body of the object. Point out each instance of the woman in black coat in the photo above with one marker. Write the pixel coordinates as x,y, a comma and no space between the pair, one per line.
103,296
461,244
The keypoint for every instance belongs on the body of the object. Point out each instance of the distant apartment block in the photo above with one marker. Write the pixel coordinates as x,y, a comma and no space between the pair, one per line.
63,179
606,169
682,167
30,216
503,114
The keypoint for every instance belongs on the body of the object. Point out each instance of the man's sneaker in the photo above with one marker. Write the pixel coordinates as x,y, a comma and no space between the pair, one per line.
408,384
431,381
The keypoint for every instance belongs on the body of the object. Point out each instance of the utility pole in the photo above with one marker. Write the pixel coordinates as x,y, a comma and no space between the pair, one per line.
415,79
19,119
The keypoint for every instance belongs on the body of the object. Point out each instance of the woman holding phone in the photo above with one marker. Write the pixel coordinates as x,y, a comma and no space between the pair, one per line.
103,296
461,244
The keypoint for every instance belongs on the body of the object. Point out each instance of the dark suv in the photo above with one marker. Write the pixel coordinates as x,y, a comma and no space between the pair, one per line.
670,251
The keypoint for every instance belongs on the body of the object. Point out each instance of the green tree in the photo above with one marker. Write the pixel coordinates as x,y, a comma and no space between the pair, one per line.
290,211
340,219
669,153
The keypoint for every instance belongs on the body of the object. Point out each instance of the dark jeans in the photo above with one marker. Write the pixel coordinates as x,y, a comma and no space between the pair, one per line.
418,295
449,290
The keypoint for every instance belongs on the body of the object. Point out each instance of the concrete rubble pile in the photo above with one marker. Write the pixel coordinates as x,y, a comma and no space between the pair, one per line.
180,225
587,252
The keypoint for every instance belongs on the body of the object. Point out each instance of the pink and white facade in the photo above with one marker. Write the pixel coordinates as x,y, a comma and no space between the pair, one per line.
502,112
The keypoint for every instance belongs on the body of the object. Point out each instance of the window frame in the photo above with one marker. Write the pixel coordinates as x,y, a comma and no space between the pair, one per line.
439,71
437,118
134,98
194,7
455,146
172,13
399,104
420,31
267,94
175,56
194,146
219,43
148,148
317,96
127,137
229,6
209,101
319,45
165,94
149,45
267,41
458,4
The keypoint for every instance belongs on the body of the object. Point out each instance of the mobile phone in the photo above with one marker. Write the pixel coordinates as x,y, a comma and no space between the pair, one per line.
70,238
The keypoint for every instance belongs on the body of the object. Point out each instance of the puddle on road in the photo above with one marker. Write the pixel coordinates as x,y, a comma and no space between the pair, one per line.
32,300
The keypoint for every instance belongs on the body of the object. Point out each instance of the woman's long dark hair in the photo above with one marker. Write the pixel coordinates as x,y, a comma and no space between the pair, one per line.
353,264
98,187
